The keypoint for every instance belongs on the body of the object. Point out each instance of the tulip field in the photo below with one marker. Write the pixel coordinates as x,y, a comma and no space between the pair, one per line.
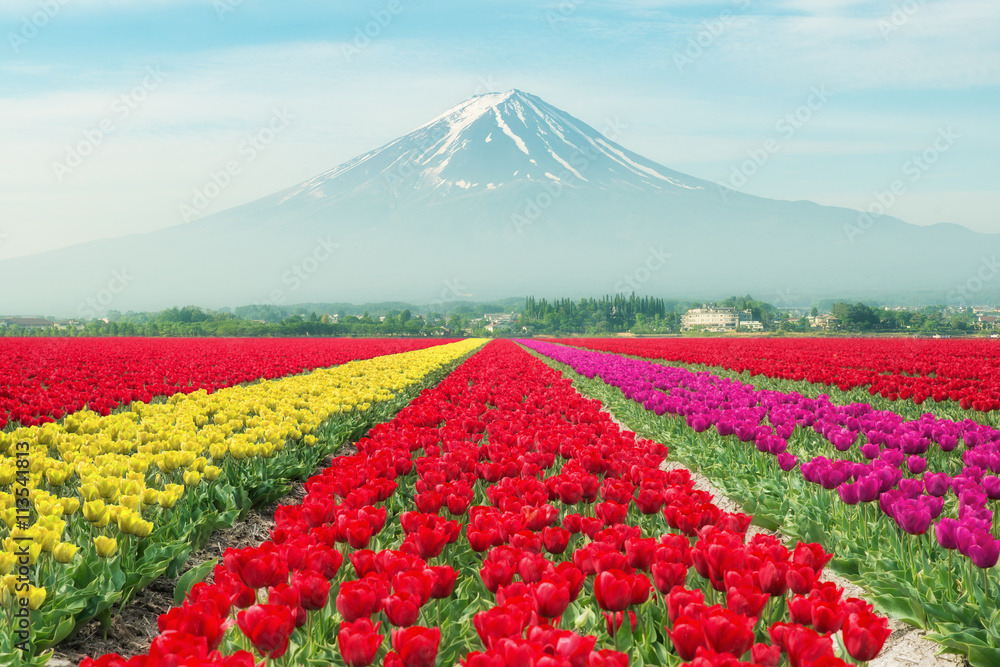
116,501
494,512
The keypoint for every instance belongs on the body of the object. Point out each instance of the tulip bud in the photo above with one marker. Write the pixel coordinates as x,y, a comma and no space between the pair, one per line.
36,597
64,552
106,546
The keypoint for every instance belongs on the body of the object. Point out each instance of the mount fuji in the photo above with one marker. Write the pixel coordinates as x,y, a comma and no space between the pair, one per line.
502,195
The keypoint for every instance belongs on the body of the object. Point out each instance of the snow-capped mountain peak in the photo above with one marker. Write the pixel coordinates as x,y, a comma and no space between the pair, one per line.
491,141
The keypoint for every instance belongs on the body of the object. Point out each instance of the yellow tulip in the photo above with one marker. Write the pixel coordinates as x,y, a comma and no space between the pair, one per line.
69,505
36,597
108,487
94,510
168,500
64,552
57,476
212,473
126,520
48,540
192,478
106,546
142,528
131,502
7,561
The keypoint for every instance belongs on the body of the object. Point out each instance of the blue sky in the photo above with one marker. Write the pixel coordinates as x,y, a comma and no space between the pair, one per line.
827,100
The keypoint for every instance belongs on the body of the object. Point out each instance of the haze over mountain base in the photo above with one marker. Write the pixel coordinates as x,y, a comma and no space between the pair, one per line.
503,195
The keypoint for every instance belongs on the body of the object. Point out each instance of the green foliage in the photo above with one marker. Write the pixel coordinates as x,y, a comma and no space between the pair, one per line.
601,316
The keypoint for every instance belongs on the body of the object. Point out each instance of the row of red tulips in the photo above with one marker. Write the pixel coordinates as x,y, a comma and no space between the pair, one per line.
568,521
964,371
43,379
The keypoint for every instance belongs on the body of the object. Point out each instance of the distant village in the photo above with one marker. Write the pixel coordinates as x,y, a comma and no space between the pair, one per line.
706,318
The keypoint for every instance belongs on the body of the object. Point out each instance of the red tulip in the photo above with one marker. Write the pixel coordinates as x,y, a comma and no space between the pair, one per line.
288,596
607,658
687,635
811,554
356,600
668,575
443,579
417,646
555,539
804,645
613,590
498,623
773,577
495,574
325,560
268,627
865,634
402,609
728,632
765,655
551,598
430,542
359,642
201,619
358,534
314,589
640,553
573,577
682,602
746,600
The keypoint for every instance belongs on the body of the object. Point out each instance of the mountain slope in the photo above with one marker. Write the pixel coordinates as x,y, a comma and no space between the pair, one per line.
502,195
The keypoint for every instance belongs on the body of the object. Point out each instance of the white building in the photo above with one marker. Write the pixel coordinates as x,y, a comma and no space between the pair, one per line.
716,319
500,318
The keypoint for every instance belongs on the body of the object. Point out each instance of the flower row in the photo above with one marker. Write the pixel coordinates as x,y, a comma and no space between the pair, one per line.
44,379
964,371
504,519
